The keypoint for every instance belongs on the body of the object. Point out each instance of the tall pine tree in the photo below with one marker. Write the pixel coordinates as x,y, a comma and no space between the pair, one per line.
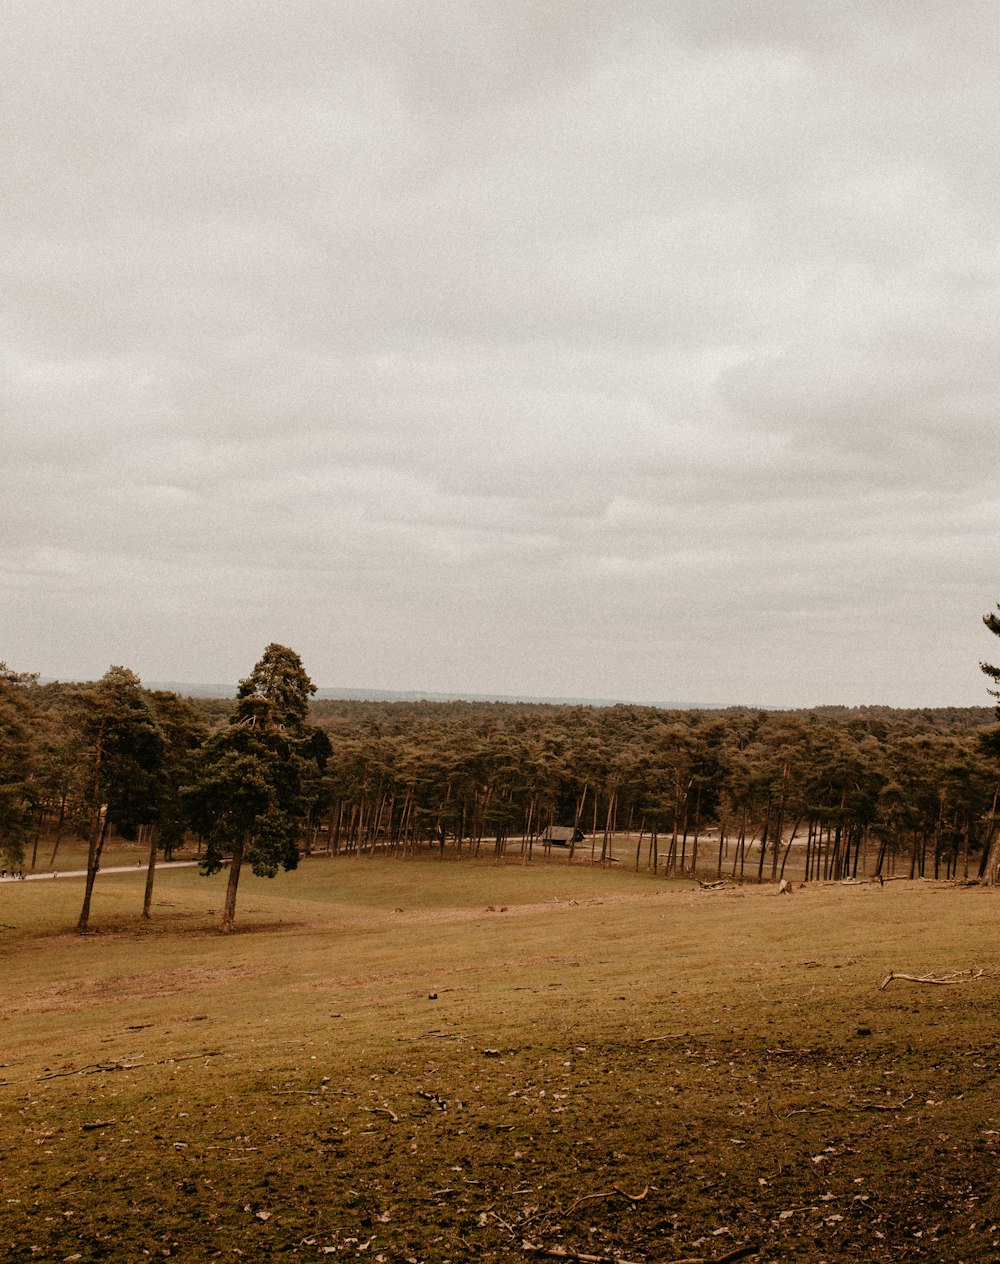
122,749
251,794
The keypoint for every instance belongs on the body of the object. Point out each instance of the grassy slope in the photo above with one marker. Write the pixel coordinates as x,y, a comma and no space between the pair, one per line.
691,1059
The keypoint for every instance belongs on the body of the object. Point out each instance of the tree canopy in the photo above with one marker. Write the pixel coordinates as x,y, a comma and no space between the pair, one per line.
250,794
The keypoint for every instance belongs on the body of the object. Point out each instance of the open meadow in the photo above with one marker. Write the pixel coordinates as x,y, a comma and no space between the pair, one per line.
415,1060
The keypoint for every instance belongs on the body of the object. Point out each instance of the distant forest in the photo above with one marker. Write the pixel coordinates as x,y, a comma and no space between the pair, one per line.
855,791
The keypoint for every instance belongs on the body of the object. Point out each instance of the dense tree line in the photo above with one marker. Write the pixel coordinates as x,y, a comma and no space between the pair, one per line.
272,774
714,791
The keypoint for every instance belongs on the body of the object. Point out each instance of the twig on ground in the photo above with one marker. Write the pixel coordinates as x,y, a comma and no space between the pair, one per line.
383,1110
881,1105
564,1253
95,1068
607,1193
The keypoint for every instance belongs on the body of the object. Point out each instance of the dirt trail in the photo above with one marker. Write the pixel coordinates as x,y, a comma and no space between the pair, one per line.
82,873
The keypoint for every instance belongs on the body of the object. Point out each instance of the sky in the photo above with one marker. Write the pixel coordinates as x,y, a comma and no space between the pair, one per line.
642,350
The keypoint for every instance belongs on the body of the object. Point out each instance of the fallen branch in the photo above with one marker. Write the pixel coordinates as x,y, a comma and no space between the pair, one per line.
96,1068
881,1105
564,1253
957,976
607,1193
383,1110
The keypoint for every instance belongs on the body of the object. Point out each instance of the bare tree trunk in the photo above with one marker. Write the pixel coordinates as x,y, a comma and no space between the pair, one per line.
765,833
98,830
150,871
38,834
991,848
93,866
741,842
235,865
788,847
59,829
779,825
580,805
608,827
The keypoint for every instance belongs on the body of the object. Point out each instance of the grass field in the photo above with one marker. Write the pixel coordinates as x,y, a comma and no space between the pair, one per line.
422,1061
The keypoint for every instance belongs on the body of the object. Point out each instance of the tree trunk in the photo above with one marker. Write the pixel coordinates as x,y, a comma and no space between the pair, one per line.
235,865
97,834
788,846
991,848
93,866
147,899
38,834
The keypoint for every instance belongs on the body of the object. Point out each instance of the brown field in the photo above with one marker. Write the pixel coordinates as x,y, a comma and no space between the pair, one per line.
408,1060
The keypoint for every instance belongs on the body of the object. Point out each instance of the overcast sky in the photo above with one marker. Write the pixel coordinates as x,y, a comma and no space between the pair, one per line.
640,349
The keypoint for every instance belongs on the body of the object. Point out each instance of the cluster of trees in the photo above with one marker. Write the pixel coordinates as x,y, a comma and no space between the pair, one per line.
852,786
273,773
110,755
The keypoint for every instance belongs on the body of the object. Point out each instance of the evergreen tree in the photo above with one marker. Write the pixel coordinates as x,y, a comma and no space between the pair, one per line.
992,621
183,732
17,764
122,749
255,778
990,743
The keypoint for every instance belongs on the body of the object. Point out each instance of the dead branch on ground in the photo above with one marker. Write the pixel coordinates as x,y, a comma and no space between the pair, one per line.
607,1193
564,1253
383,1110
882,1105
956,976
95,1068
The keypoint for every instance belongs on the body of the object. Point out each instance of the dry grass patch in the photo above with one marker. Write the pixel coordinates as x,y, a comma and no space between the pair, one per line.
609,1066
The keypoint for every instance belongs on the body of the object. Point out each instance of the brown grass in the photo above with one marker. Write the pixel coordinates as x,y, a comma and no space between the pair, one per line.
610,1065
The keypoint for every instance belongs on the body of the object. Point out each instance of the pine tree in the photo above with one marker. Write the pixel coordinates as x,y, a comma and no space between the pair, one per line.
255,776
992,621
123,750
990,743
18,758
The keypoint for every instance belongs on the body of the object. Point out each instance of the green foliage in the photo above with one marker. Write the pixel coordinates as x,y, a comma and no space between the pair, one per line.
17,764
183,731
401,772
280,681
123,749
992,621
281,773
256,777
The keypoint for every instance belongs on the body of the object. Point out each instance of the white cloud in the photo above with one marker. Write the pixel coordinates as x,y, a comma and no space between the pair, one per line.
578,348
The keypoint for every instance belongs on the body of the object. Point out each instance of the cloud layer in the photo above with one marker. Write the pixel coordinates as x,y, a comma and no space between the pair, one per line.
635,350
